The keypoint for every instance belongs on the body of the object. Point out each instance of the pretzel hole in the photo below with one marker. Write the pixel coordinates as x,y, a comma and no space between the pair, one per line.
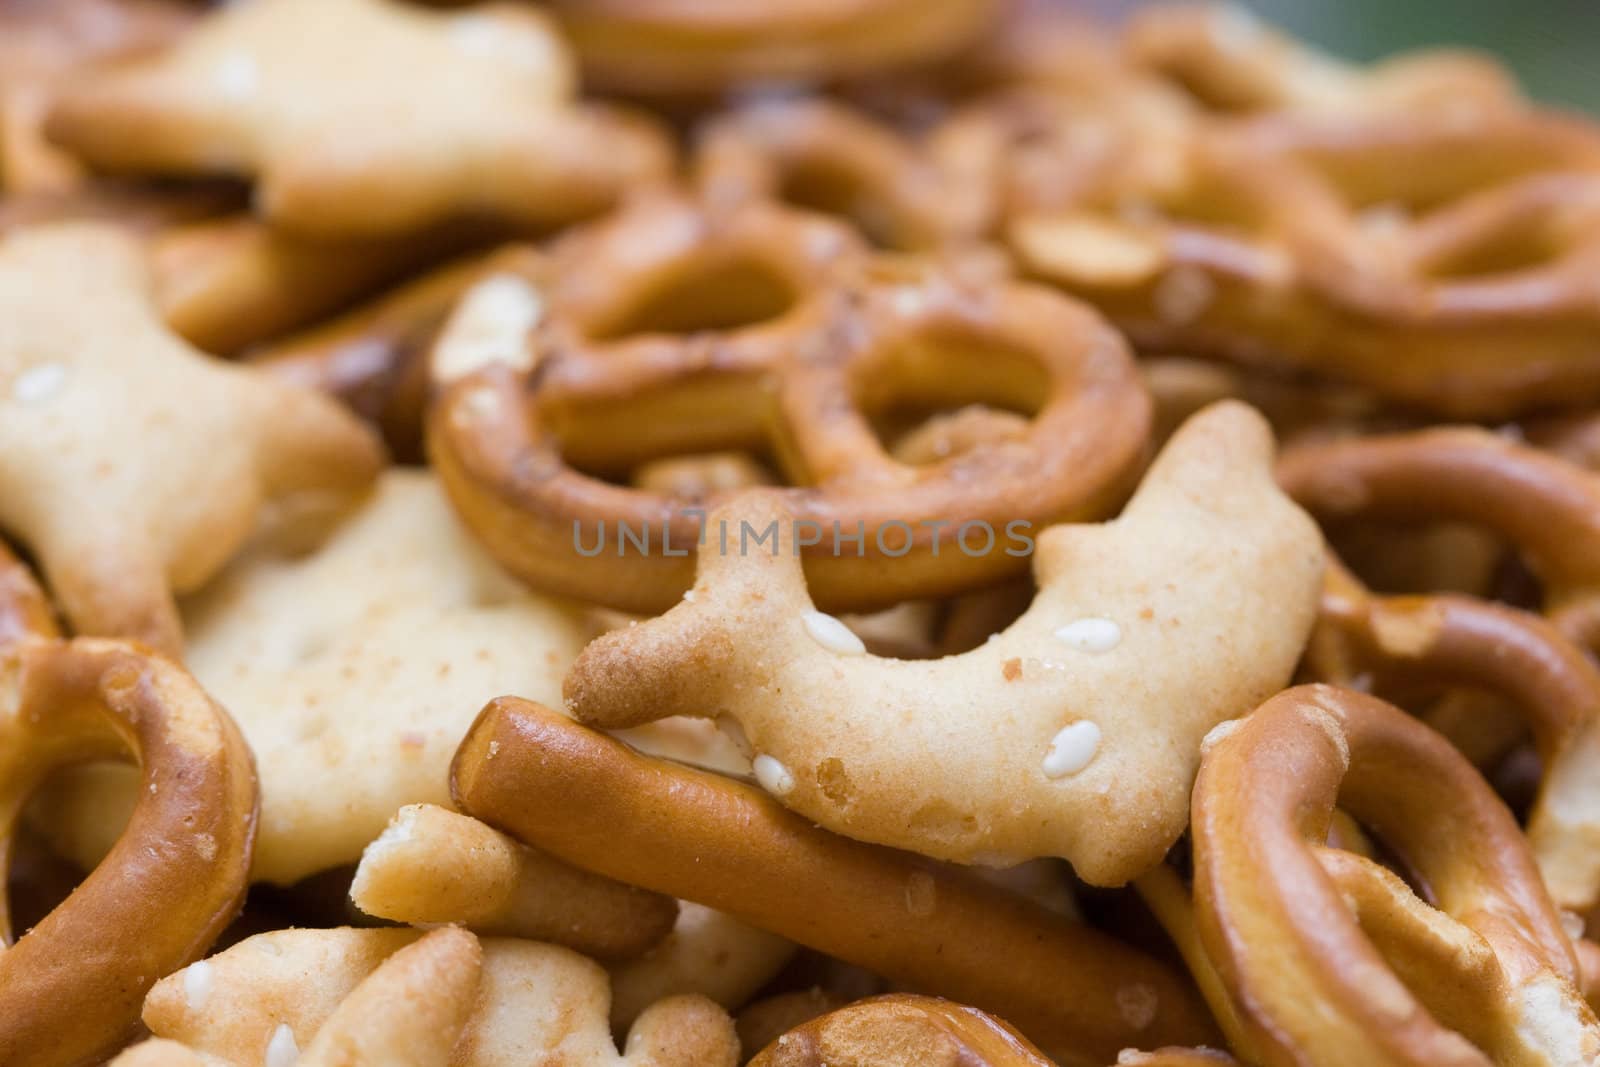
78,811
706,294
37,880
936,397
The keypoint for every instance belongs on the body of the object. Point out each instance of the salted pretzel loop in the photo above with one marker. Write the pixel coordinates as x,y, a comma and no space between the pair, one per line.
71,987
1396,642
1549,509
677,47
1329,956
593,802
644,349
1439,261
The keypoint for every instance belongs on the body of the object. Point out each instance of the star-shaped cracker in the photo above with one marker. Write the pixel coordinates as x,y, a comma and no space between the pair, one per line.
363,116
346,996
1075,732
132,465
354,671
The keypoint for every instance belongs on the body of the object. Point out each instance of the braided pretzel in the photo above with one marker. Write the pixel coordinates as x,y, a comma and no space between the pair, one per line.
591,801
1329,957
1547,507
607,381
674,47
1288,242
1550,510
70,988
1230,62
1396,642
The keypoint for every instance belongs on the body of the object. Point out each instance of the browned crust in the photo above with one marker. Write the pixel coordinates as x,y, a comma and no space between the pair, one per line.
860,334
71,987
1270,909
593,802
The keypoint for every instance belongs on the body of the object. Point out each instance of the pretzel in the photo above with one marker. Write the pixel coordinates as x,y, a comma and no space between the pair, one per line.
1229,61
672,48
794,343
1546,507
302,95
825,156
900,1030
374,357
1291,243
1021,747
445,997
43,45
1392,642
70,987
102,408
431,866
591,801
1292,925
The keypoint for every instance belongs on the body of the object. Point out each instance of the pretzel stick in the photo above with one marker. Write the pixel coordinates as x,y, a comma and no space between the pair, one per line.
595,803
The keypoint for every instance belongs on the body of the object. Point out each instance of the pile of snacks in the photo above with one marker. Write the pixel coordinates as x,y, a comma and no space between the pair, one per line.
662,534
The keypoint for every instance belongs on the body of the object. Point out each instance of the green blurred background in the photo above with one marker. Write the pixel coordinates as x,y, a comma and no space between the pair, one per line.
1553,45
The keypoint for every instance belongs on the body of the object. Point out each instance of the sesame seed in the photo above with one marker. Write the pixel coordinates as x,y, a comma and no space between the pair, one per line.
1091,635
774,777
832,634
1072,749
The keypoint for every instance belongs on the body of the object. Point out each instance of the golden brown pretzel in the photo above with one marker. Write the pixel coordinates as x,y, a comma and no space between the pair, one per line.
71,987
823,155
676,328
899,1030
695,46
906,1030
593,802
1438,260
1548,508
1328,957
1392,643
